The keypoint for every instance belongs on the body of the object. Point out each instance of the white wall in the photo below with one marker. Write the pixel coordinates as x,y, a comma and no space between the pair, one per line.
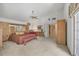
11,21
69,29
3,19
1,10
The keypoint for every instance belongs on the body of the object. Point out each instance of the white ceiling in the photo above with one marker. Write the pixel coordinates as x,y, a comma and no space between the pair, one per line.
23,11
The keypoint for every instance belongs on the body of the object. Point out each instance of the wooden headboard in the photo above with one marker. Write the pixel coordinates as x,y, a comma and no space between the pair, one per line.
7,31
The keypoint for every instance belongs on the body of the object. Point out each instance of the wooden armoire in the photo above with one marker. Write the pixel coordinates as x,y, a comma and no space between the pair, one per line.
61,31
5,28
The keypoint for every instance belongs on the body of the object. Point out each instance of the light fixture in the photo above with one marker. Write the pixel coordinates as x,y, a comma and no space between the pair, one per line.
33,15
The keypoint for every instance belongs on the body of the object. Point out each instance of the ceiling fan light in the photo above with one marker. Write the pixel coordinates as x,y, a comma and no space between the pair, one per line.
33,16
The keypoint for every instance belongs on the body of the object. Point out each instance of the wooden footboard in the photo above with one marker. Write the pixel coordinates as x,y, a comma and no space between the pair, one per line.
22,39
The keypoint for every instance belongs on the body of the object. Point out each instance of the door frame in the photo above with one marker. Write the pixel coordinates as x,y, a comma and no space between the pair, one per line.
74,33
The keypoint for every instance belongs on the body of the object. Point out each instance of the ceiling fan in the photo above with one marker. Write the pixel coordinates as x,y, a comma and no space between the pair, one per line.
34,16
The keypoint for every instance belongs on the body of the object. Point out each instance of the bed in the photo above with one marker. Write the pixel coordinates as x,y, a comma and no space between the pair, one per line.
23,38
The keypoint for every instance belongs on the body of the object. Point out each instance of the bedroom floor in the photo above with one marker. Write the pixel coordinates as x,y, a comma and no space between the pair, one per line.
39,47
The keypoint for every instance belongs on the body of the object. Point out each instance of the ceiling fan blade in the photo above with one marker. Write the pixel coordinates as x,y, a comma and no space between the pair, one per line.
34,17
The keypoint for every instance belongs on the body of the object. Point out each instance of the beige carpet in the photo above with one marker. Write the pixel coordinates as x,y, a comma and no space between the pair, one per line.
39,47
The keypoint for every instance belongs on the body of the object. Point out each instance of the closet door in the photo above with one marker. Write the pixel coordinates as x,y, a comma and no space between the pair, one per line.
61,32
77,34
